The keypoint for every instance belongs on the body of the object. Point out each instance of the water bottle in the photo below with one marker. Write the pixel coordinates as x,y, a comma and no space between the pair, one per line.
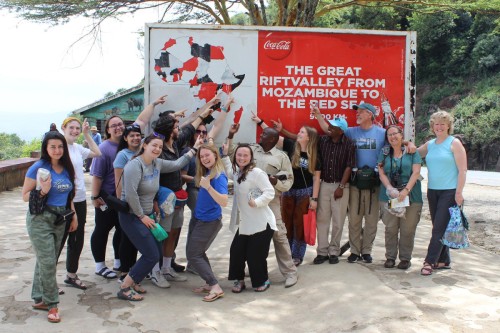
41,174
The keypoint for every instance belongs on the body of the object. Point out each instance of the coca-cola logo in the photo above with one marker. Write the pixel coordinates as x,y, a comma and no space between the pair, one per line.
277,48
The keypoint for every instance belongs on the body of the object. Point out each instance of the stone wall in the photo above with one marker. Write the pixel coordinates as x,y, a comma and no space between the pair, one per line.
12,172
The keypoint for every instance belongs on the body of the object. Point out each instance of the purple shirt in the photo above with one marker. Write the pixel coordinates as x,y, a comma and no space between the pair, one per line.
102,166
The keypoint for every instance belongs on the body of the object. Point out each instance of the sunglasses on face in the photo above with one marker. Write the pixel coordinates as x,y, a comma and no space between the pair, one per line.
201,132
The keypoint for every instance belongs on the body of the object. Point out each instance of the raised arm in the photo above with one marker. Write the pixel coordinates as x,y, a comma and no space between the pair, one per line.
94,148
263,125
319,117
146,114
221,119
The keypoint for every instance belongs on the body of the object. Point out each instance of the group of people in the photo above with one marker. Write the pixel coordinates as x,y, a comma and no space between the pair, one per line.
362,172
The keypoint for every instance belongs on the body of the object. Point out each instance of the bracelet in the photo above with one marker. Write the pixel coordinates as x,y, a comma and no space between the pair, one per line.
195,150
260,122
230,138
42,194
406,188
94,197
224,109
202,119
341,186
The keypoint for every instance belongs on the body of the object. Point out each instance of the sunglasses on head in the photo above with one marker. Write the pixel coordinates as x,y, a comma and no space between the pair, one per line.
159,136
133,127
201,132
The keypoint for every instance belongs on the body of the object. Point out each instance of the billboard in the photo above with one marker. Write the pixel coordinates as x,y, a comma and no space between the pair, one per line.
277,72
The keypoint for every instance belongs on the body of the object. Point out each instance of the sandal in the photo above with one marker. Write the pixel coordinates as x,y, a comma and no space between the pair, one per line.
264,287
139,289
212,296
426,270
75,282
238,287
202,290
131,296
106,273
40,306
53,316
441,265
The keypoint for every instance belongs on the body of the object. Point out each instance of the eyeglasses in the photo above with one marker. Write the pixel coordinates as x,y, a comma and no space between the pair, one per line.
159,136
201,132
116,126
392,134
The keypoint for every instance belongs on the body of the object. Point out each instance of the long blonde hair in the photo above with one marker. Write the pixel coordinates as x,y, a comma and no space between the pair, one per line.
311,150
201,170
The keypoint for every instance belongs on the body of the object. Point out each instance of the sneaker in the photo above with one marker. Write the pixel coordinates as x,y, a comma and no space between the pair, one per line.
159,280
171,275
291,280
367,258
353,258
320,259
333,260
148,276
178,268
389,263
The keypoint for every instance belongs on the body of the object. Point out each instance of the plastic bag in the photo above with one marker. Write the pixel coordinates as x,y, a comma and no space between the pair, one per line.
455,236
310,227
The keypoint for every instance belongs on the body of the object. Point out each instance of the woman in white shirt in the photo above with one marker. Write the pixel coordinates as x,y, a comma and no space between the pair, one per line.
254,220
72,128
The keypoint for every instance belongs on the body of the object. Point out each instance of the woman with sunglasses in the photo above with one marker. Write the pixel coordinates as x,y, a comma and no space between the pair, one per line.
103,178
45,235
129,145
140,185
399,173
72,128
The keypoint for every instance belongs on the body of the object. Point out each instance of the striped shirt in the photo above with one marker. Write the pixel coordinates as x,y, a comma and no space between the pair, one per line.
336,157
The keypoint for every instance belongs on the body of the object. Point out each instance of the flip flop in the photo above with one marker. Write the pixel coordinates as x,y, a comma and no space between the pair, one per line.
106,273
40,306
75,282
202,290
264,287
53,316
212,296
238,287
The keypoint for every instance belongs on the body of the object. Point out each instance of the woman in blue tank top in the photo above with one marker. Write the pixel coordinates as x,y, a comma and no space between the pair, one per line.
447,166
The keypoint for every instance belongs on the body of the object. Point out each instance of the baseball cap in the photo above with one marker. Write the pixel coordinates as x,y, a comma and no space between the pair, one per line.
339,122
366,106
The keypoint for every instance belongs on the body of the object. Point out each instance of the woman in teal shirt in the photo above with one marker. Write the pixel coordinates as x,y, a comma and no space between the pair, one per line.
399,173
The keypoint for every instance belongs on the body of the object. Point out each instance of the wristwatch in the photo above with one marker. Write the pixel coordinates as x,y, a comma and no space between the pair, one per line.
342,186
94,198
314,199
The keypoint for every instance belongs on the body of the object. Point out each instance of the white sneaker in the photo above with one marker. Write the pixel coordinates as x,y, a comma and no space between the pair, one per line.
159,280
171,275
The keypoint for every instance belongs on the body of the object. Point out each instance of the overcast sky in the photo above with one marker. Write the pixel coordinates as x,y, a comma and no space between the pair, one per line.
43,78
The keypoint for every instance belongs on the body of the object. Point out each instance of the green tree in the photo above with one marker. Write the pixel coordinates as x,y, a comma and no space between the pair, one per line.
289,12
9,146
34,145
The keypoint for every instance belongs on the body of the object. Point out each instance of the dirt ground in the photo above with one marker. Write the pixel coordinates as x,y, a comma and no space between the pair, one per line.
482,209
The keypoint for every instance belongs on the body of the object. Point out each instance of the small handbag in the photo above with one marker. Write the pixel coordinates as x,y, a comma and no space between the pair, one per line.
455,236
310,227
37,203
64,217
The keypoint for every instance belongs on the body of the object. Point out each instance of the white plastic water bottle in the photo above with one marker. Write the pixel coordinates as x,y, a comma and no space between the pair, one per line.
41,175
